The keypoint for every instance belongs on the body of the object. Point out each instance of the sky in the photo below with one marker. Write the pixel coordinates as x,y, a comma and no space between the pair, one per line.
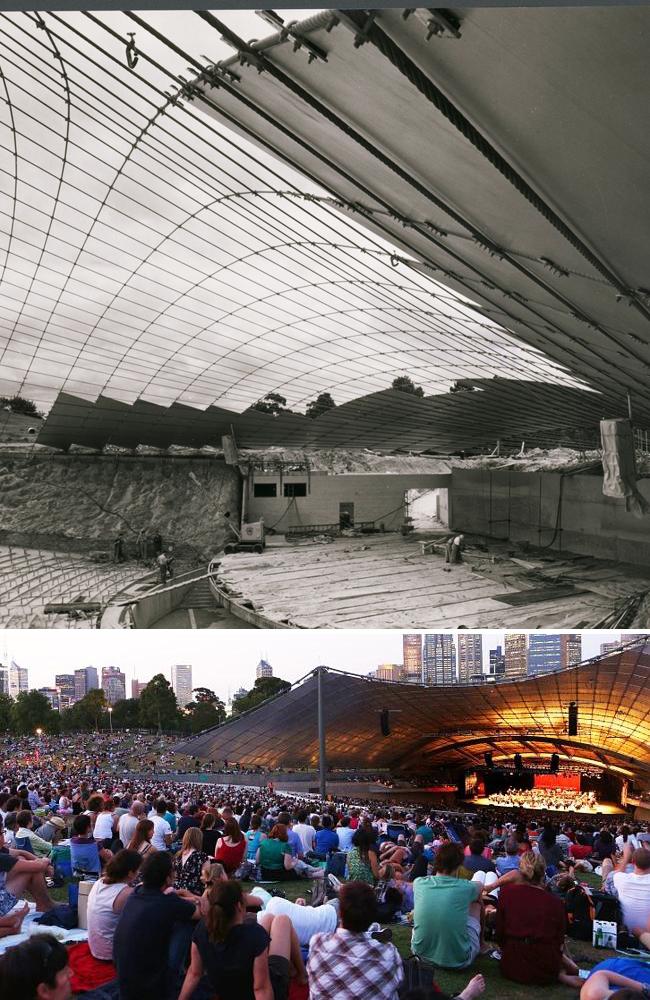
171,263
222,660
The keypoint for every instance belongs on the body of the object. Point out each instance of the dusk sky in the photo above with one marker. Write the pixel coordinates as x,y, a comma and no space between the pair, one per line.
222,660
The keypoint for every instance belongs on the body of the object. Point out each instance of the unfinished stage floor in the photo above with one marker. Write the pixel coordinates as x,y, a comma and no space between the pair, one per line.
384,581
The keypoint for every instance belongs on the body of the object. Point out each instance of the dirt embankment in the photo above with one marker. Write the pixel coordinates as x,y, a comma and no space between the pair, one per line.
81,502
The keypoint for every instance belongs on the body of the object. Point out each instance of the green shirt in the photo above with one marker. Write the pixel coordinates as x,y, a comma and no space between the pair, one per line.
441,908
359,869
272,853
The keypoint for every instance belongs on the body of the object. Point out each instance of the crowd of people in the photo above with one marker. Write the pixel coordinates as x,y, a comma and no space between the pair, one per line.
190,887
551,799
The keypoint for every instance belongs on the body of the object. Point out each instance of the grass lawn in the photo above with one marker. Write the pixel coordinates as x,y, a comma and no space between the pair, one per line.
497,988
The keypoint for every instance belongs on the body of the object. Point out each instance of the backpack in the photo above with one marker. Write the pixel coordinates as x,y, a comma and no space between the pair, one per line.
418,975
580,912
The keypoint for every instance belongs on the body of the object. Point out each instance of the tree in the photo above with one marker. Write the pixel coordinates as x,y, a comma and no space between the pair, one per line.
158,704
126,713
32,710
272,403
19,405
203,715
460,386
265,687
202,694
404,384
6,707
86,713
321,404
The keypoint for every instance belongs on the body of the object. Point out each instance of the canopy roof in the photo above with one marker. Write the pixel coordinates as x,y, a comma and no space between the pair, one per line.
444,194
432,726
500,148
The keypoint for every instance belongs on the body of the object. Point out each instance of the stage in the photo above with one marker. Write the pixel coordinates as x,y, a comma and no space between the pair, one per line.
602,809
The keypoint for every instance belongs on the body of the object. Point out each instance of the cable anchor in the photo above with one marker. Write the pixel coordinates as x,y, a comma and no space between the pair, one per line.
131,51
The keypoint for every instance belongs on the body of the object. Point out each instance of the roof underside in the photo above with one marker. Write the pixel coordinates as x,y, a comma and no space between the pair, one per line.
452,725
509,161
352,200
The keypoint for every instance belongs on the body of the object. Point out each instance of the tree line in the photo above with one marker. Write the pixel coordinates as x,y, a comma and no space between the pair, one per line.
156,708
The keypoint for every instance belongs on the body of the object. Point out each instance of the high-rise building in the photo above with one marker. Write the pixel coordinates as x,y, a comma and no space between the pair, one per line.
497,664
113,684
18,679
516,655
263,669
52,696
389,672
412,645
439,659
571,647
608,647
470,657
544,653
137,687
4,679
628,637
65,685
182,683
85,679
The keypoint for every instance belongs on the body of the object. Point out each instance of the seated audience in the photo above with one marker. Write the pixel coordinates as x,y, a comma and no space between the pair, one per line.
242,960
143,937
107,899
349,963
447,913
189,862
231,846
36,969
633,889
530,929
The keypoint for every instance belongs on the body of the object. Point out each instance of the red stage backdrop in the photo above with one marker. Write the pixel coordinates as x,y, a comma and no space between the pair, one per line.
558,781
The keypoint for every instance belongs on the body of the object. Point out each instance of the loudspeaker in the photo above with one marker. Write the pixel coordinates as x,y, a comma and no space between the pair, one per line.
489,763
519,764
555,763
384,723
573,719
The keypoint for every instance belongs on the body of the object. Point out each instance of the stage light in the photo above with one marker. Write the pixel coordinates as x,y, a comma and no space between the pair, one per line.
555,763
573,718
489,763
519,764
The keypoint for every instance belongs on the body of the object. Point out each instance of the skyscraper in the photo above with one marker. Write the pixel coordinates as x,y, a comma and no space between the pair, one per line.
182,683
608,647
52,696
515,654
113,684
263,669
470,657
389,672
412,645
497,664
137,687
571,649
18,679
85,680
544,653
65,685
4,679
439,659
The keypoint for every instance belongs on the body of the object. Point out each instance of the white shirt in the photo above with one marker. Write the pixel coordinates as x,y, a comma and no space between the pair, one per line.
102,918
346,833
161,829
631,840
103,826
126,828
307,835
634,894
306,920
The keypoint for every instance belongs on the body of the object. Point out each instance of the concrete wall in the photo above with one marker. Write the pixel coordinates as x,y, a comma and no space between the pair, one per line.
80,502
375,498
524,506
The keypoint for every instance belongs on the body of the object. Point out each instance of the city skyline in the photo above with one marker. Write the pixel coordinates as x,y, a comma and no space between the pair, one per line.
227,662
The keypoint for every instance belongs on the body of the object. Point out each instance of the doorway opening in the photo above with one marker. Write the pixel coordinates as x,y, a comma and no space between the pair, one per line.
428,509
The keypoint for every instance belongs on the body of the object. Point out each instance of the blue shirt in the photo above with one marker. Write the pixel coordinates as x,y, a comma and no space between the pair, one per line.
326,841
508,864
294,841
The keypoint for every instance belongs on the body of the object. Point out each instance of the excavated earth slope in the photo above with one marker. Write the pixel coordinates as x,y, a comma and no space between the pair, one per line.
80,502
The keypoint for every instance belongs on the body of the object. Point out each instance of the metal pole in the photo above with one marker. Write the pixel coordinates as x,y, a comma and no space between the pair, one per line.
322,754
